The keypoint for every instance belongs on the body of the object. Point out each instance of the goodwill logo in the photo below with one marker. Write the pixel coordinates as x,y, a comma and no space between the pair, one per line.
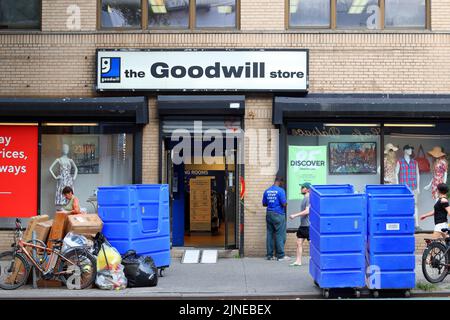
110,70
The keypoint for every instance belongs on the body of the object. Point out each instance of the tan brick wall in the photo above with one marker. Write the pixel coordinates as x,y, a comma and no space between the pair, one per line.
262,15
150,146
63,65
258,116
55,15
440,13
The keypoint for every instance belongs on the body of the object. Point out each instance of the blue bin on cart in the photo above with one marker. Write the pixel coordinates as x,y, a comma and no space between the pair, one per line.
391,242
136,217
338,234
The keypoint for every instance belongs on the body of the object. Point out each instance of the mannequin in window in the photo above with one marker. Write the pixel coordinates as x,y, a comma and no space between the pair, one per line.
407,172
64,178
390,162
440,168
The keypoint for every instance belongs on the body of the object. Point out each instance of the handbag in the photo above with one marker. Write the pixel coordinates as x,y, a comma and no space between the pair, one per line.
422,161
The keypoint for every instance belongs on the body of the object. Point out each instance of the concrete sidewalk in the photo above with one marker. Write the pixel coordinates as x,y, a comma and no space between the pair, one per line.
229,278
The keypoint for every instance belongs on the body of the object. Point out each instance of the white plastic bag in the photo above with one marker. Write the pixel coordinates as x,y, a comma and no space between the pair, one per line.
72,240
111,279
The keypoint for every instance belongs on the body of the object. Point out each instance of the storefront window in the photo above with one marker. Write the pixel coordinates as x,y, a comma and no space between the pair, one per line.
331,153
121,14
168,13
20,14
405,13
353,13
431,146
84,159
215,13
415,154
309,13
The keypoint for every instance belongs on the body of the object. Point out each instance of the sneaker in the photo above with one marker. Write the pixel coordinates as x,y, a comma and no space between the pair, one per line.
285,258
270,258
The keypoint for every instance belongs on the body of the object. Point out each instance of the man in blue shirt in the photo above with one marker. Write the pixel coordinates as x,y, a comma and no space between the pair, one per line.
274,200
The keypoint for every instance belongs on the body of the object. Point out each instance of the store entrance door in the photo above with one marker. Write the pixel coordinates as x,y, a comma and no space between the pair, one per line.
204,185
231,201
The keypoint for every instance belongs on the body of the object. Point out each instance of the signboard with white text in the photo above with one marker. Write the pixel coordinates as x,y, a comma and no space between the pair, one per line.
202,70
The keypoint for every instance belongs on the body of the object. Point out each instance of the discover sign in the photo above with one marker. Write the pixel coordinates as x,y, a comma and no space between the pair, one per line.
197,70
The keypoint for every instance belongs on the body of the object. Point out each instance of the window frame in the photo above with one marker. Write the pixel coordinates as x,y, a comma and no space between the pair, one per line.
28,29
191,23
333,20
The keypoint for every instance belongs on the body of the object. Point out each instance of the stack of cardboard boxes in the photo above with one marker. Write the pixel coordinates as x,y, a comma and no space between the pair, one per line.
84,224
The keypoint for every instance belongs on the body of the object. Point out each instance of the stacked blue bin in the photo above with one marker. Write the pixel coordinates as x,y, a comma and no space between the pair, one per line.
338,234
391,243
136,217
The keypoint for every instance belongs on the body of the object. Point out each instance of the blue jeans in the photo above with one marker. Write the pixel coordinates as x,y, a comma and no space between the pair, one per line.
275,226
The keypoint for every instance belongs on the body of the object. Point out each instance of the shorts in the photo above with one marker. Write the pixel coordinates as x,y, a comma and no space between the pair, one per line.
303,233
440,226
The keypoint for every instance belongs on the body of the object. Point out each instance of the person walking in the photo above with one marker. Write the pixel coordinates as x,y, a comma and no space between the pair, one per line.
274,199
303,229
440,212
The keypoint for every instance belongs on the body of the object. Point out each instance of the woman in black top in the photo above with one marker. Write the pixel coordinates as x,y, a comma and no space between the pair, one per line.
440,212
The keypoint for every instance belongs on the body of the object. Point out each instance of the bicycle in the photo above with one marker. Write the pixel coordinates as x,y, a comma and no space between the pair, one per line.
76,264
435,259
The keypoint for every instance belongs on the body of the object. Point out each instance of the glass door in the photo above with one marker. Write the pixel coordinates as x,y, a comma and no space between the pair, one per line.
231,192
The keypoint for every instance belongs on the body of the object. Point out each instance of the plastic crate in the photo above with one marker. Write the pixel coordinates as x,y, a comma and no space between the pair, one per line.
391,241
136,217
338,236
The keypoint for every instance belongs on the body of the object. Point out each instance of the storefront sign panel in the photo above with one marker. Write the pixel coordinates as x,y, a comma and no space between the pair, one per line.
203,70
305,164
18,171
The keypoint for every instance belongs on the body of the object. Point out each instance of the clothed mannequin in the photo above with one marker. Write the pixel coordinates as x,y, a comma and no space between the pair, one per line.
390,162
65,178
440,168
407,172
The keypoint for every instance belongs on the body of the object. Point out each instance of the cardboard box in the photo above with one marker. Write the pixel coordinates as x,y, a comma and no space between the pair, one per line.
57,232
27,235
41,283
84,224
42,230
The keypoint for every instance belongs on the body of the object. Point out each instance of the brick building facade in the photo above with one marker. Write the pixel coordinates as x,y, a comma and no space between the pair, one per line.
56,62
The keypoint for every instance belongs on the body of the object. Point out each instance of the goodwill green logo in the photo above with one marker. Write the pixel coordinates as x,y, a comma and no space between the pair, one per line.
305,164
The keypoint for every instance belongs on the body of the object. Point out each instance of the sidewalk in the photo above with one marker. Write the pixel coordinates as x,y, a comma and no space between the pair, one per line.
229,278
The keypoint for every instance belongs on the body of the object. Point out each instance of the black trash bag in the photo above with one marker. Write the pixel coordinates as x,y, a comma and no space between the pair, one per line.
140,271
99,239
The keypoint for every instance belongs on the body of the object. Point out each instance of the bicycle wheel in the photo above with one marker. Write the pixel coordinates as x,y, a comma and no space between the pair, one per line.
14,270
435,262
87,265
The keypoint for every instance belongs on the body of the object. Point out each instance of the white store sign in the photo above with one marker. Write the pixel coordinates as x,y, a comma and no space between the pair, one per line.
217,70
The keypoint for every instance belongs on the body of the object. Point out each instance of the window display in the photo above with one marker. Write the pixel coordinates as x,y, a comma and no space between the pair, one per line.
64,178
82,165
330,153
390,162
431,166
407,172
412,154
440,168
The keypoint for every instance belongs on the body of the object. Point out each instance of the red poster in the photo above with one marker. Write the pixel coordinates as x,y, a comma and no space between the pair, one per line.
18,171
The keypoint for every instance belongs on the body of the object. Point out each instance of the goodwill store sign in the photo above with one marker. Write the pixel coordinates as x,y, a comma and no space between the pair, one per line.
240,70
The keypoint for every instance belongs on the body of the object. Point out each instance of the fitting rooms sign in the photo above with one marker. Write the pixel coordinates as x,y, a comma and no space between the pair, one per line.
202,70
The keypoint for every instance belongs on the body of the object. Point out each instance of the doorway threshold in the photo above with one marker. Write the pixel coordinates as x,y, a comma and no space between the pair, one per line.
178,252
